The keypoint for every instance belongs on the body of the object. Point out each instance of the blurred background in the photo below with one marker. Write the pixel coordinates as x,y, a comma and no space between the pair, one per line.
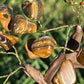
56,13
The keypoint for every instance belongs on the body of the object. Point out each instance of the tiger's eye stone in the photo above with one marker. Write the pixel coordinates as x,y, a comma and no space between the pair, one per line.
21,25
33,9
43,46
66,74
28,44
5,16
82,3
7,41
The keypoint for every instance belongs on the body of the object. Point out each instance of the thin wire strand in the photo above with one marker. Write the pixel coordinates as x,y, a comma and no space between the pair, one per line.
63,48
76,12
7,53
3,76
12,74
17,55
66,41
51,29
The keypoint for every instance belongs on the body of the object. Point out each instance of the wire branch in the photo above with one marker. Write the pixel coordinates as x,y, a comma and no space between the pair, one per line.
3,76
66,41
76,12
51,29
8,76
16,54
66,49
